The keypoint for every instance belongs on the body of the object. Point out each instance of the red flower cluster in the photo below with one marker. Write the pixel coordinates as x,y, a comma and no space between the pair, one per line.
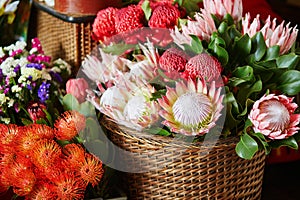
111,21
176,63
34,164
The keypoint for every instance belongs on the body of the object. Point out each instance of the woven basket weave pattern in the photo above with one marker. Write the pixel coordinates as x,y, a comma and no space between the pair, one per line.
186,172
61,39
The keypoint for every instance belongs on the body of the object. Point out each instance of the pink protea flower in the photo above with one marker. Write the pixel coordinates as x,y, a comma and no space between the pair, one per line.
164,16
191,109
274,117
104,24
36,111
129,18
222,7
205,67
282,35
129,104
203,26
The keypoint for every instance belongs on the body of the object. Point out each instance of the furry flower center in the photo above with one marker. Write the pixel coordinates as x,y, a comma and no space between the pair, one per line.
135,108
276,114
192,109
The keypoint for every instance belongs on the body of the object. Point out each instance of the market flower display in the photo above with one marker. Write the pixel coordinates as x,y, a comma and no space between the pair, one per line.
218,65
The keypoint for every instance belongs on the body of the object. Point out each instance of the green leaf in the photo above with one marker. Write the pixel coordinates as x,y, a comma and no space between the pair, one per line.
243,45
289,142
246,147
87,109
228,18
26,121
289,61
245,73
220,53
289,82
91,131
179,2
262,140
70,102
249,102
272,53
191,5
196,44
223,28
118,49
147,9
158,131
259,46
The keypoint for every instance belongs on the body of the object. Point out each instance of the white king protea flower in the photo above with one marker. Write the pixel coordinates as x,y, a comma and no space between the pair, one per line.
222,7
274,34
191,109
274,117
129,104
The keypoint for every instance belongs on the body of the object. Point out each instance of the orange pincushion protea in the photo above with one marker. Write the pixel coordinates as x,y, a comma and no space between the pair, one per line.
91,170
45,153
8,133
42,190
30,135
73,155
69,125
67,186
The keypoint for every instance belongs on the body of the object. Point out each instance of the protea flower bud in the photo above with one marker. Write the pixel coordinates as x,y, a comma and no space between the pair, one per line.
191,109
77,87
274,117
222,7
36,111
282,35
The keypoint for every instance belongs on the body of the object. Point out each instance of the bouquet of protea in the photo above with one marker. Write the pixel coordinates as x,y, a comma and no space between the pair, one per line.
30,83
224,73
41,162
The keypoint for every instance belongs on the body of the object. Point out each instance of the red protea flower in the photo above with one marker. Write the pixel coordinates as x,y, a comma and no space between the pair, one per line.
91,170
30,135
67,186
104,24
205,67
173,60
45,153
36,111
164,16
42,190
129,18
73,155
69,125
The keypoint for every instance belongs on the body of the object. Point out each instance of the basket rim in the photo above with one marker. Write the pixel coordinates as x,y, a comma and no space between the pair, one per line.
162,141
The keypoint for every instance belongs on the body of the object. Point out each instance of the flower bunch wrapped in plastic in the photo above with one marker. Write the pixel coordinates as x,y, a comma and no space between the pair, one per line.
30,83
222,73
41,162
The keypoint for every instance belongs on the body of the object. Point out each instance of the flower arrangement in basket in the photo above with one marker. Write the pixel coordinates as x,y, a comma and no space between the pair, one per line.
215,65
30,84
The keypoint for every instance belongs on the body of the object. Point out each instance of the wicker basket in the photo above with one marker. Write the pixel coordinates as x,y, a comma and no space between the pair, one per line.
63,36
178,170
